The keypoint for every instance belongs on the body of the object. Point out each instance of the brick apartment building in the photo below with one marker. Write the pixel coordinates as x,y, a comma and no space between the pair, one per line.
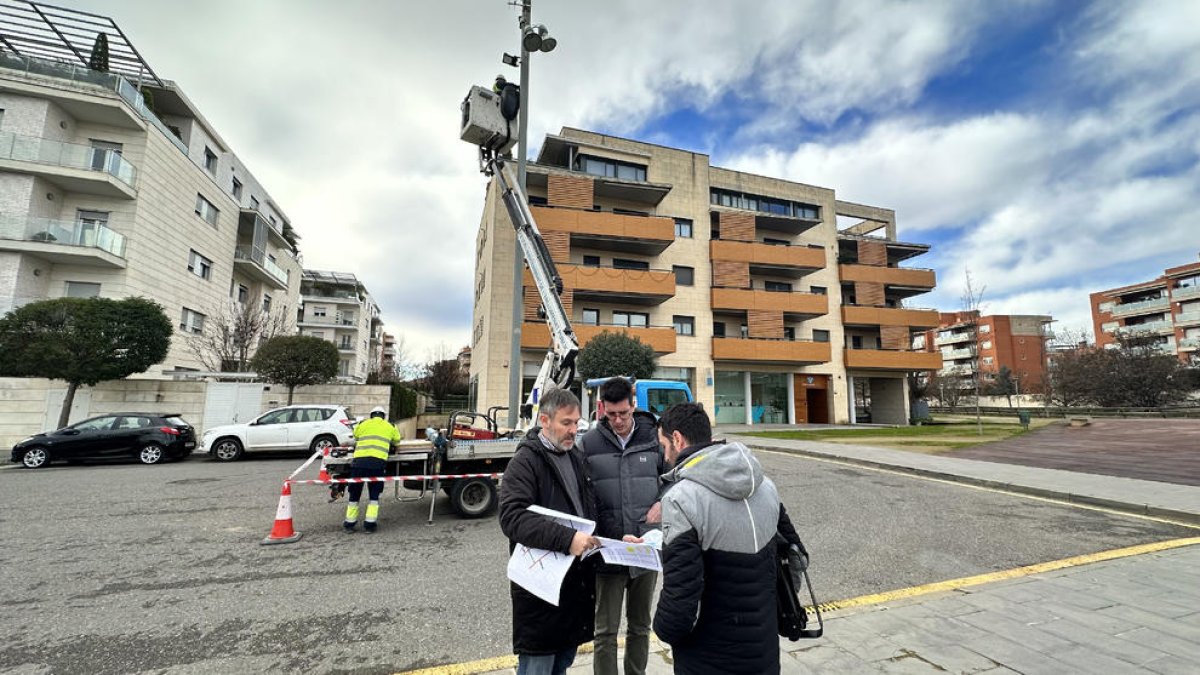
1165,311
1017,342
744,285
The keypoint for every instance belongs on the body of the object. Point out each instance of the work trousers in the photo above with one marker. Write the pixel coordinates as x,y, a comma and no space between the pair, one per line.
366,467
638,593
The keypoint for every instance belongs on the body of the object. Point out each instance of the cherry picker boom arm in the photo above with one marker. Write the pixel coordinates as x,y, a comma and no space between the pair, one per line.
558,369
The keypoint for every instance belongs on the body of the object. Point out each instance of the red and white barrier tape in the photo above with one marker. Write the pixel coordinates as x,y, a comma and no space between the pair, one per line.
389,479
305,465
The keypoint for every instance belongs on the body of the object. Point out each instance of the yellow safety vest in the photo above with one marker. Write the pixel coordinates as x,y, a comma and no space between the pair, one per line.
373,437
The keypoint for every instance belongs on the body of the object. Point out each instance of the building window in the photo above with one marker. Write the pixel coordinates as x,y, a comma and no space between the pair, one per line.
243,294
987,360
88,225
774,206
266,304
789,333
237,189
683,228
684,325
778,286
631,319
82,289
820,335
318,311
684,276
818,290
591,260
776,242
254,203
210,161
535,200
206,210
591,317
718,329
856,342
624,264
191,321
987,344
985,328
609,168
199,265
744,331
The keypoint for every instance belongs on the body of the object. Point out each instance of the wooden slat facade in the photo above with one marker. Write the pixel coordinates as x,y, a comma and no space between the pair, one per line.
575,191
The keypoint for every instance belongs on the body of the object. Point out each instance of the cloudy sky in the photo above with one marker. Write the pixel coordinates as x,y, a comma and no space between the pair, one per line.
1048,147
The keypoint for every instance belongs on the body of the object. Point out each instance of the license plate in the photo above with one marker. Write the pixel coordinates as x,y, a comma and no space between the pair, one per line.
189,445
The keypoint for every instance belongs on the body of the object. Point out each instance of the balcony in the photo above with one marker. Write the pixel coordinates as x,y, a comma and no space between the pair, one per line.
897,251
252,226
644,235
63,241
1189,344
73,167
892,359
856,315
900,281
1185,292
775,222
1148,328
609,284
957,370
766,350
957,354
1188,318
770,259
536,335
255,264
1144,307
953,338
807,304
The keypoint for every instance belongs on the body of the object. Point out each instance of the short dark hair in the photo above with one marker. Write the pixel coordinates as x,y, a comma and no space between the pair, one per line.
690,420
555,400
615,390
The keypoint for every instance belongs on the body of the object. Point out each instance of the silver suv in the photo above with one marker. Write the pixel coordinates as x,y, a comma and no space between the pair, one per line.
294,427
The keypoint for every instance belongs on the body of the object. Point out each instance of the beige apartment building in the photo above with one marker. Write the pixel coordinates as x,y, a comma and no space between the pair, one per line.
113,184
337,307
1165,311
746,286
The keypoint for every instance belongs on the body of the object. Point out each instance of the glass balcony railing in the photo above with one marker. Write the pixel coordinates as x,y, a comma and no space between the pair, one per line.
259,257
1148,327
70,155
1185,292
1187,317
1189,344
954,354
1129,308
64,232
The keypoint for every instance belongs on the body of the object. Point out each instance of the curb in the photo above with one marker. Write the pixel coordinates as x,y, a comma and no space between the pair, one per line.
1132,508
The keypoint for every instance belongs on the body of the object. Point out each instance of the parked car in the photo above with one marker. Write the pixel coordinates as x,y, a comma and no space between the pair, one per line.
294,427
150,437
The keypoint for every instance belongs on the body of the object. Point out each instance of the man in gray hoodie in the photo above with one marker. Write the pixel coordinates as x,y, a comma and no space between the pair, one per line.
720,517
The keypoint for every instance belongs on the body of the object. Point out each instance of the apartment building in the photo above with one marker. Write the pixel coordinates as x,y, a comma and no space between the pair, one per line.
335,306
387,354
113,184
1014,341
745,286
1164,311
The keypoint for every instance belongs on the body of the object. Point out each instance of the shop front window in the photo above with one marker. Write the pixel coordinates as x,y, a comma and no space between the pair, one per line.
731,397
768,395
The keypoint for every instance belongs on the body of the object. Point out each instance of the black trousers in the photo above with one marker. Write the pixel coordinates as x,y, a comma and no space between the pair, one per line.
366,467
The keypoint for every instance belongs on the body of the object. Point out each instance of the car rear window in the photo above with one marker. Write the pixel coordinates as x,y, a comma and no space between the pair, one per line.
176,421
326,413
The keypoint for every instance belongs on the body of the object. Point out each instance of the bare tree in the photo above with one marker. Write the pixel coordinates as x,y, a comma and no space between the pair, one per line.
233,333
972,299
443,375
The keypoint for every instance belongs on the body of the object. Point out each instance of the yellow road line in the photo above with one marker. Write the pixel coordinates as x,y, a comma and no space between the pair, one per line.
982,488
500,662
964,582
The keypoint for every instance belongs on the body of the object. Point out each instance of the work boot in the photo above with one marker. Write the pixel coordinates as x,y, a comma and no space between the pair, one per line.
369,528
348,526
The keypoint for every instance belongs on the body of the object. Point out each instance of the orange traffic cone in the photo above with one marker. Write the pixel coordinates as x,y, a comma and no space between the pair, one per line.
282,532
324,475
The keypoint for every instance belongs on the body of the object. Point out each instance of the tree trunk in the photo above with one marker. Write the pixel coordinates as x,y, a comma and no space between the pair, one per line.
291,390
65,414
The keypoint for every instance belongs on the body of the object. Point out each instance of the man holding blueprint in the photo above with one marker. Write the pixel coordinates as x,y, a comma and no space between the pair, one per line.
553,590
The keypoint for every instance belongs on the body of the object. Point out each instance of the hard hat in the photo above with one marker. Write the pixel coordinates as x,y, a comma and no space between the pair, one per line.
379,410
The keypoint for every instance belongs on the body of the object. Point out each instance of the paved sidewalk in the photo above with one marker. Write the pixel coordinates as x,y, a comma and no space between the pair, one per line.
1165,500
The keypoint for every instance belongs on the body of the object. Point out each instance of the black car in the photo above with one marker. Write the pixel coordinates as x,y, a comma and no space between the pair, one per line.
150,437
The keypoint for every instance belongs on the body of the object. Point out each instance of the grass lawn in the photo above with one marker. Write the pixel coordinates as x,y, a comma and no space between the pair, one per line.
934,438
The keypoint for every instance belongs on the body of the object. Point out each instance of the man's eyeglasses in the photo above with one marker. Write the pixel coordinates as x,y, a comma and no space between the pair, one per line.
615,415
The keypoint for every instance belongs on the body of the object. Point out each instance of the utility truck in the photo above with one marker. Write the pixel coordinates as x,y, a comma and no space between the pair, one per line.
473,442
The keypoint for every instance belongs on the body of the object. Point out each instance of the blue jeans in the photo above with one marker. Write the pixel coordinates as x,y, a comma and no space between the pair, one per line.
545,664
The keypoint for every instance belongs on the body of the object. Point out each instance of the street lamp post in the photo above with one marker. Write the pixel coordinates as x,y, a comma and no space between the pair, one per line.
533,38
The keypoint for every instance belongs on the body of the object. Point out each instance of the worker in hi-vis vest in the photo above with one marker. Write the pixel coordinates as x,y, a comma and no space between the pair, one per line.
374,438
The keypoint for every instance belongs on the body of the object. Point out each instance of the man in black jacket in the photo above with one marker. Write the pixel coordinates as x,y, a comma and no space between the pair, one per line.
625,462
720,516
548,472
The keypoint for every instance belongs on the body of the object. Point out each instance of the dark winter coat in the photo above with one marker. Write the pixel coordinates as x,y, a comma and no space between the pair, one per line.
532,478
720,520
626,481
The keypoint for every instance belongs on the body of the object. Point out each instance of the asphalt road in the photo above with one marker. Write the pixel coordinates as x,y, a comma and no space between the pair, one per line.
125,568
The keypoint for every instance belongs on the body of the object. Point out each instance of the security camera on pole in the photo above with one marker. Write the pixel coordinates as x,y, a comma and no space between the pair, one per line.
534,38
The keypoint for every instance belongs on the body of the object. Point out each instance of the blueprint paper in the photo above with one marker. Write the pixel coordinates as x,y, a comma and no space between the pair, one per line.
539,571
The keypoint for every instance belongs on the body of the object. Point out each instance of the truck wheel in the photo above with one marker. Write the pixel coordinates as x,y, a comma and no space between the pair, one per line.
473,497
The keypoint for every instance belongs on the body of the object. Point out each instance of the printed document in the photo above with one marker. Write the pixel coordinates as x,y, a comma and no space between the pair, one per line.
539,571
616,552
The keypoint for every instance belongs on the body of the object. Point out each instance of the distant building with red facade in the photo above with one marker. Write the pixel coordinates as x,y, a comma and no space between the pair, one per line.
1166,311
1016,341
